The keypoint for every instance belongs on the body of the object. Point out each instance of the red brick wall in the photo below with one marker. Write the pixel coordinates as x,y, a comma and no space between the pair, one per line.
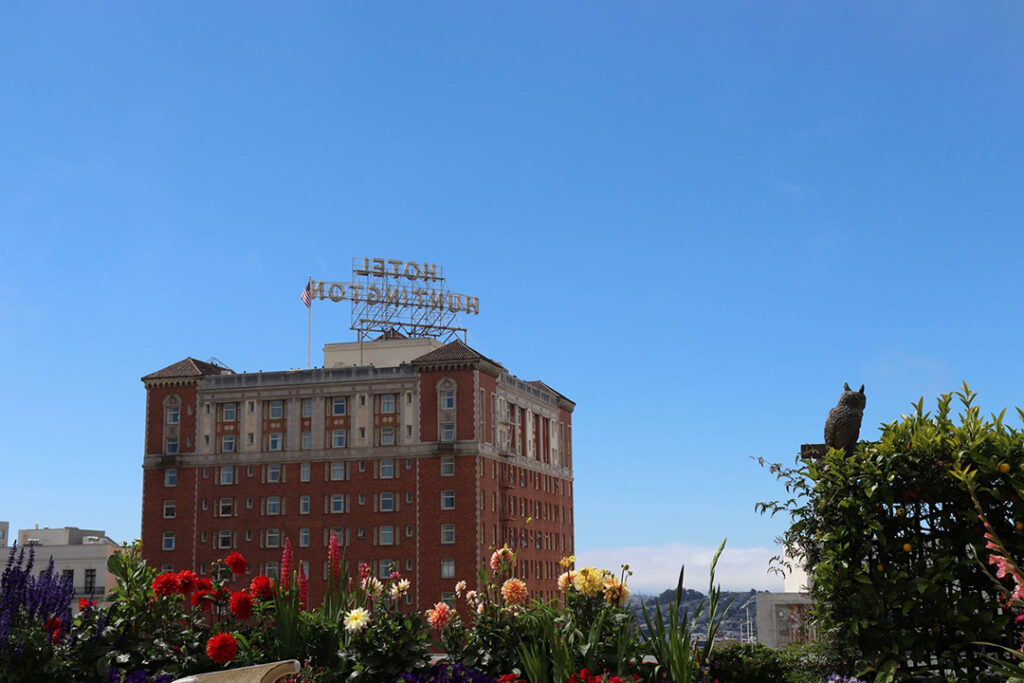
155,422
464,398
154,493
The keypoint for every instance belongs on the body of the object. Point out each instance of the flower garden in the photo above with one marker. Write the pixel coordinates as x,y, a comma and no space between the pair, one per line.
912,541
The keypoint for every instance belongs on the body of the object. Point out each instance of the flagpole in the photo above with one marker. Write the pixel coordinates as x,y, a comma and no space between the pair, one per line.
309,325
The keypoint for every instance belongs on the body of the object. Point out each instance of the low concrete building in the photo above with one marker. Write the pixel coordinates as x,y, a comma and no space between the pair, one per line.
4,532
784,618
78,553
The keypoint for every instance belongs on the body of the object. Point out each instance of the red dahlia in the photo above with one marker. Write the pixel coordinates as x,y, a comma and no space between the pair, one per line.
237,563
241,605
222,648
167,583
188,580
202,599
261,587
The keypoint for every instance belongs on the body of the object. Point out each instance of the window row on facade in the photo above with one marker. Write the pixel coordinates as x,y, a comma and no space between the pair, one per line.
338,470
335,503
380,535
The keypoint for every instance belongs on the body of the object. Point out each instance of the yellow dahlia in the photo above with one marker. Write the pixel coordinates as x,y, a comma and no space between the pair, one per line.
615,592
589,581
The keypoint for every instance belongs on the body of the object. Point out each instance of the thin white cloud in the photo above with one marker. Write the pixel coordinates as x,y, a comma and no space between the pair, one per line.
656,568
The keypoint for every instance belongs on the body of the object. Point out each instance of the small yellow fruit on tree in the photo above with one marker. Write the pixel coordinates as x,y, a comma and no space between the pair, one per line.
1004,467
907,547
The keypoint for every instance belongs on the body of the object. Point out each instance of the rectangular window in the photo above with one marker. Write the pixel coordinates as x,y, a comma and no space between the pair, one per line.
168,540
387,502
338,438
227,443
338,405
408,497
448,431
304,469
338,502
171,476
408,530
448,500
360,532
448,399
224,538
173,415
229,412
387,403
304,505
447,533
272,538
170,509
303,537
225,507
386,567
273,505
448,466
227,475
307,440
90,580
307,407
408,566
172,445
272,569
387,469
386,535
274,442
337,471
447,568
387,436
362,499
274,473
276,410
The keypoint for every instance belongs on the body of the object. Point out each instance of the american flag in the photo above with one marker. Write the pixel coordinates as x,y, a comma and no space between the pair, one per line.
307,294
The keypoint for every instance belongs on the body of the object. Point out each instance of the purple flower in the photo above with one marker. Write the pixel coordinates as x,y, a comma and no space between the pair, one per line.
29,601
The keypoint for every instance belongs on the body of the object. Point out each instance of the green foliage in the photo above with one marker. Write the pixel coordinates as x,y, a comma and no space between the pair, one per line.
747,663
672,642
395,643
886,532
590,633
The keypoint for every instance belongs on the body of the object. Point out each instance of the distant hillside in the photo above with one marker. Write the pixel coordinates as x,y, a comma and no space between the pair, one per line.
742,609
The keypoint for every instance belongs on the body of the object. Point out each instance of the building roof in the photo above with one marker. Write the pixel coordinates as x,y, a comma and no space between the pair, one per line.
453,351
189,367
541,385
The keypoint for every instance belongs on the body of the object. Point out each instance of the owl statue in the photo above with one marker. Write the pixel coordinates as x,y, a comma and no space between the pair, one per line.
842,428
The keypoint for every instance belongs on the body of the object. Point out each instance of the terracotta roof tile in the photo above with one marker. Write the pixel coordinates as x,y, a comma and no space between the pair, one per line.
453,351
189,367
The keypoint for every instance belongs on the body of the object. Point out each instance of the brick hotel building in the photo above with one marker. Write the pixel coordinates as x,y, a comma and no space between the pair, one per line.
420,456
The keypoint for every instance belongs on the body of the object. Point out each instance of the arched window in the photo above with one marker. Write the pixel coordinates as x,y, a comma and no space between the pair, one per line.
447,399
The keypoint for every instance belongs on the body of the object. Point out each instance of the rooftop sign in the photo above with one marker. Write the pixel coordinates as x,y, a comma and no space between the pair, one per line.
390,295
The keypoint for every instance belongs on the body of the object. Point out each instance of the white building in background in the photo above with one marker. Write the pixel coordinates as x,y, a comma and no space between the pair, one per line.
78,553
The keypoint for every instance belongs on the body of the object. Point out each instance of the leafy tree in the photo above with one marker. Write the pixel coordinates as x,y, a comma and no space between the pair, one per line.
893,540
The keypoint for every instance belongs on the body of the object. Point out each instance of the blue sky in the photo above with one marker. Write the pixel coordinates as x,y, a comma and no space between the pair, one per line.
697,220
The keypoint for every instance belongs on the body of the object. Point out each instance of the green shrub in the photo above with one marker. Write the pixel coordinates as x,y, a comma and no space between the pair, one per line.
888,533
747,663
